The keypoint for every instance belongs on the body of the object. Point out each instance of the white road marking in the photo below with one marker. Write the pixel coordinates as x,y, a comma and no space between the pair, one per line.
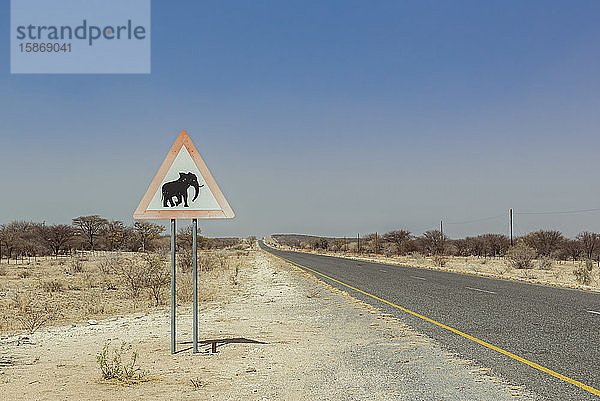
383,271
419,278
480,290
593,311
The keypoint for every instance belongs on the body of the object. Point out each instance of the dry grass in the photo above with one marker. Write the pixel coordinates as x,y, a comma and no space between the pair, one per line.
60,291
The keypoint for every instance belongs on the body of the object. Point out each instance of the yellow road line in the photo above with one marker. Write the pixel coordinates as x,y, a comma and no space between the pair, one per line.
460,333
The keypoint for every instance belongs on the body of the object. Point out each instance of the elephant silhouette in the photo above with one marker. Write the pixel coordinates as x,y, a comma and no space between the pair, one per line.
178,189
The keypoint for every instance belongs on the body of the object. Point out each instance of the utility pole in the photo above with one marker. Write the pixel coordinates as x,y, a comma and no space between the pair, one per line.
358,237
511,240
442,235
511,226
376,244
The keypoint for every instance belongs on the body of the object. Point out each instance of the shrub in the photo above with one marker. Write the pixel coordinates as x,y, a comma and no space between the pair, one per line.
23,274
75,265
157,276
439,260
113,368
133,274
545,263
52,286
33,314
185,260
589,264
109,264
583,275
521,255
207,262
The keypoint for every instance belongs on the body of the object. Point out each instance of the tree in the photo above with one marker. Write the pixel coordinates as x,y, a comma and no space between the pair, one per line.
545,242
571,249
397,237
432,242
185,236
494,244
56,237
90,227
114,231
320,243
589,242
146,232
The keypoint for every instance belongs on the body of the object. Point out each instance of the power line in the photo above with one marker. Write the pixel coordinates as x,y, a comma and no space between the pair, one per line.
562,212
478,220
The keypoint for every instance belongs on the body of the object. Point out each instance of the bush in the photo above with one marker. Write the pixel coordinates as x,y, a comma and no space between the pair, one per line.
23,273
133,274
185,260
589,264
545,263
583,275
33,314
75,265
521,255
109,264
52,286
113,368
439,260
157,276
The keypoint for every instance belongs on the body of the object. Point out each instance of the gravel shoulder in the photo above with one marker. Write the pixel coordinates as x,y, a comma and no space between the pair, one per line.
283,335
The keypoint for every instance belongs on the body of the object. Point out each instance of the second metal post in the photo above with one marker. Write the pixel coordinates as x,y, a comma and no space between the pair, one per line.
173,337
195,273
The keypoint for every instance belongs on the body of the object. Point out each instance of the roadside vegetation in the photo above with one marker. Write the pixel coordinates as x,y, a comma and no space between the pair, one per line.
544,255
64,274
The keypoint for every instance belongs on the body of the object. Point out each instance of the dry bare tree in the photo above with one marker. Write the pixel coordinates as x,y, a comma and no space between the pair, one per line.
56,237
397,237
431,242
147,232
590,243
545,242
90,227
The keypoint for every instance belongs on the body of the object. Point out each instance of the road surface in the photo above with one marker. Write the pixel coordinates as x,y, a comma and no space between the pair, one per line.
556,330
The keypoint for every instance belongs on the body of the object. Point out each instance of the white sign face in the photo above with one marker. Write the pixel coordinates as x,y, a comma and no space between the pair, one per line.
183,188
178,189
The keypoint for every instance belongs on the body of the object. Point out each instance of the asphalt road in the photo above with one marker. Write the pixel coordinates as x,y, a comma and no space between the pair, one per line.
555,328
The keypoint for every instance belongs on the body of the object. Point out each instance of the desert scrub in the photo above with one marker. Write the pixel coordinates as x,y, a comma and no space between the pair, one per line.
583,275
32,314
545,263
52,286
439,260
75,265
520,256
116,368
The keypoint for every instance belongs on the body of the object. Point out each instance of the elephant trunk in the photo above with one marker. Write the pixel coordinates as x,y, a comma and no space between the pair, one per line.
197,188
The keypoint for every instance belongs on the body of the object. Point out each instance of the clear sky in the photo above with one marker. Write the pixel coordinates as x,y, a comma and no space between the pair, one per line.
327,117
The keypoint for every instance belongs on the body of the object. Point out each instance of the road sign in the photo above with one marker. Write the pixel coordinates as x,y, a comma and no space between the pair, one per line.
183,188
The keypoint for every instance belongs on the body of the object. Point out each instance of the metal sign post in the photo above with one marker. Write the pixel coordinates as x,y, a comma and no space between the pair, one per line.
167,197
195,273
173,301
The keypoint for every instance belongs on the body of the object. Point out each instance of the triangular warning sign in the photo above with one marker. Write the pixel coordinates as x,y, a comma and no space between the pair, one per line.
183,188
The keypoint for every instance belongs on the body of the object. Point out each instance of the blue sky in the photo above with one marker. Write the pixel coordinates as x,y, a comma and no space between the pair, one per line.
329,117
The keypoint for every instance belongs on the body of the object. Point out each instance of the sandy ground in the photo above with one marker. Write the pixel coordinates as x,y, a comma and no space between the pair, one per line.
281,335
560,274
